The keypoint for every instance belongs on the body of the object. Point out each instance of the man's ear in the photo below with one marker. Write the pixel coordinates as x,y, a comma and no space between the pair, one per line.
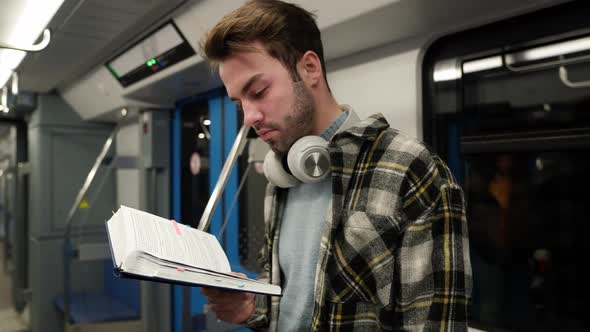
310,68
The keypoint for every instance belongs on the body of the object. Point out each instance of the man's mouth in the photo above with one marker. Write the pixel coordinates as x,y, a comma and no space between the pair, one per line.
265,133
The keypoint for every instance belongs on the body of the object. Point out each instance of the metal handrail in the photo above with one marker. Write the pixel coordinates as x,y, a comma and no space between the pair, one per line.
83,190
560,62
563,76
234,200
553,54
235,152
31,48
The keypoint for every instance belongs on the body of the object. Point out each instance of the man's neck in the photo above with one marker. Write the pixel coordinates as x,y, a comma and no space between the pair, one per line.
327,110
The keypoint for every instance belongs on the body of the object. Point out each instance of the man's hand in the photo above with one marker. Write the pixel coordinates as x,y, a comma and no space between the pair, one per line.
230,306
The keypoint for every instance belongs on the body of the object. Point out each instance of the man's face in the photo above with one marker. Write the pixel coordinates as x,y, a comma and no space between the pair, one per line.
280,110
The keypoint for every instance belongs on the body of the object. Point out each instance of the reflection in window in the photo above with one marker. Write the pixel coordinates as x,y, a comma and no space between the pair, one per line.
528,231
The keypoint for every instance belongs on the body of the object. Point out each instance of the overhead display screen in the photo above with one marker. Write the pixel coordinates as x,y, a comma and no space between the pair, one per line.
160,50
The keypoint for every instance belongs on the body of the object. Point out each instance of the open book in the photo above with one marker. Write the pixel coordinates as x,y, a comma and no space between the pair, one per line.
145,246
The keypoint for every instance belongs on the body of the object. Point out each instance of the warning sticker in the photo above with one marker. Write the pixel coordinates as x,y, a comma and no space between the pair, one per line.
84,204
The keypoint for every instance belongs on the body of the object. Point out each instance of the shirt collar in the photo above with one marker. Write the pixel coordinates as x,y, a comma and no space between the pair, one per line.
336,124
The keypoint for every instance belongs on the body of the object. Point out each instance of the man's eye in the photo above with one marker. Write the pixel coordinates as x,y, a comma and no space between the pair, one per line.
259,93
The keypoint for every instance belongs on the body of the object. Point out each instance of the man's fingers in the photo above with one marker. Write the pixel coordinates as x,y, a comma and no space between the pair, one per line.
238,274
217,293
231,317
223,295
229,299
228,306
210,292
233,313
219,309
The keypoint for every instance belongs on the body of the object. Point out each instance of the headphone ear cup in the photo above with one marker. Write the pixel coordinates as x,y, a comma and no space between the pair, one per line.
275,172
309,159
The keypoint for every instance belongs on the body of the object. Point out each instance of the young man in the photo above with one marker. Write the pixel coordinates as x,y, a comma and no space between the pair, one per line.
380,243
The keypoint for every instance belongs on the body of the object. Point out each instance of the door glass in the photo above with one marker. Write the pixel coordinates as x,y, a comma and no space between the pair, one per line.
528,229
502,101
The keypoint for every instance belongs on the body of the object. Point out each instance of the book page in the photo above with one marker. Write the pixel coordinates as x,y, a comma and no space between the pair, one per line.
183,268
222,281
166,239
117,239
141,264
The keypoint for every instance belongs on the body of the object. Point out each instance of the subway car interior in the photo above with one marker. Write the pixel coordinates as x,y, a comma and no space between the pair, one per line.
109,103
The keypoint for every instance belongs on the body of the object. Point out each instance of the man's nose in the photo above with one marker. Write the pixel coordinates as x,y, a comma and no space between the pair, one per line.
252,115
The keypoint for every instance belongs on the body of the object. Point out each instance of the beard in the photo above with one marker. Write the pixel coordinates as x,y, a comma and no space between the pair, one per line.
299,121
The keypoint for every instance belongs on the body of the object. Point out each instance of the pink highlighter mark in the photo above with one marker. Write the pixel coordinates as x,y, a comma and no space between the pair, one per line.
176,228
180,269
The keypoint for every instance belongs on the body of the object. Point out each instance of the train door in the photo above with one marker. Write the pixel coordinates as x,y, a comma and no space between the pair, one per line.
204,130
506,105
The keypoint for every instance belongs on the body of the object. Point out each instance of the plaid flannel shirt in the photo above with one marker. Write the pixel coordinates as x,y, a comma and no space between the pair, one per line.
394,255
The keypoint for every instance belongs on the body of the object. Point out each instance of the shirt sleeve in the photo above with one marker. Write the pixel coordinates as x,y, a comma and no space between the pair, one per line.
259,320
432,278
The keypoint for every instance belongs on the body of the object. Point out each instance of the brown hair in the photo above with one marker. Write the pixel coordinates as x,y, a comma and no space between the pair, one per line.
286,30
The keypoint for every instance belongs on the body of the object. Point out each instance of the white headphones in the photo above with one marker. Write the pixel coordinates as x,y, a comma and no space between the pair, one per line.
308,160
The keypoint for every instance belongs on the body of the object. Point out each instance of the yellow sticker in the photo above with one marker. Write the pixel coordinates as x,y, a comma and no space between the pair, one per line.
84,204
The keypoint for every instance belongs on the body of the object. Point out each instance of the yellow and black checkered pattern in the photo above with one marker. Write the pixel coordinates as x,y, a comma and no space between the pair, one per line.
394,255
